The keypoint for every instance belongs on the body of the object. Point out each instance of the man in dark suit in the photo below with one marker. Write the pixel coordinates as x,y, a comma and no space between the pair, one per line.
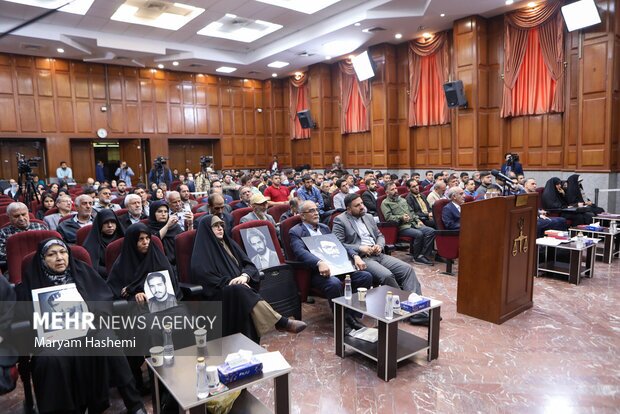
419,204
321,276
245,194
135,213
369,197
217,207
358,231
428,180
451,214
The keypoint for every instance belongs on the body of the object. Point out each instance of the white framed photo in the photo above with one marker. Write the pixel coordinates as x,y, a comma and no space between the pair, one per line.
328,248
159,291
53,305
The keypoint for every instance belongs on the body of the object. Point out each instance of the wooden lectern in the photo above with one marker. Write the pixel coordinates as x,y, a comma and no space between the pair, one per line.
497,257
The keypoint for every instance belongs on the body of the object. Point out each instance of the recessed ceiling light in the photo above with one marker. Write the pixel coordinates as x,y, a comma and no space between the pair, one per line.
170,16
427,35
299,74
442,15
238,28
160,66
60,50
75,7
304,6
398,36
175,63
278,64
509,2
274,75
328,57
531,4
358,24
225,69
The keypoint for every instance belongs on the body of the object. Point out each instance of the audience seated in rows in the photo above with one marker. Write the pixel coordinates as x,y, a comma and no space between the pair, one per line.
69,227
19,221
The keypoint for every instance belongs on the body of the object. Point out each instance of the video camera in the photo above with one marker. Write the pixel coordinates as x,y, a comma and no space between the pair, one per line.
24,165
206,160
512,158
160,161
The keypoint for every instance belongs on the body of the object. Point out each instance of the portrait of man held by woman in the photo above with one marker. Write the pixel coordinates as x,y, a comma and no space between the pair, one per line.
226,274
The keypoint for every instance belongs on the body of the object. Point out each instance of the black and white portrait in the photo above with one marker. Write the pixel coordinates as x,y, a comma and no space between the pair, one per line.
260,248
328,248
159,291
61,299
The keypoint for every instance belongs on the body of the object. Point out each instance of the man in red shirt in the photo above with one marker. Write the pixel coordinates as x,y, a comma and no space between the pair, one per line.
276,193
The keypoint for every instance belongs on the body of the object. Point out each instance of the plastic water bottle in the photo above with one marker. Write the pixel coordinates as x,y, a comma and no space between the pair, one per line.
168,345
202,386
395,303
389,306
580,241
613,226
348,291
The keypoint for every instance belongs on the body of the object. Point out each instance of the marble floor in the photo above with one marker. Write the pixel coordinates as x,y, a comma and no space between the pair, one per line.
561,356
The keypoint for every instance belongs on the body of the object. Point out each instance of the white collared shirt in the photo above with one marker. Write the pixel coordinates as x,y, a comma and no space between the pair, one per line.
367,239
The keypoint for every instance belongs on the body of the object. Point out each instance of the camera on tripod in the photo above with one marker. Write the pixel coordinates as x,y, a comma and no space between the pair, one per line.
25,165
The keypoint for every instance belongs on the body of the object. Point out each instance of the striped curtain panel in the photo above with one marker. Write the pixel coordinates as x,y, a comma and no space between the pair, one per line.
298,101
355,99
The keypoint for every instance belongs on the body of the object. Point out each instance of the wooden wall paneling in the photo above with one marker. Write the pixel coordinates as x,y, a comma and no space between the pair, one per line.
44,83
6,80
162,117
176,119
66,118
116,116
131,151
132,112
8,118
82,160
100,119
202,117
27,115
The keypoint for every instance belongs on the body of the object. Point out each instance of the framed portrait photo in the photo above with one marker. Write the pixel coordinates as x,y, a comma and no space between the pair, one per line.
53,304
159,291
328,248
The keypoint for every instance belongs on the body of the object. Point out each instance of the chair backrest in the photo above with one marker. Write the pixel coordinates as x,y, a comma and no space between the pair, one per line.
240,212
121,211
82,234
437,211
183,248
277,211
67,217
78,253
332,217
540,190
19,245
4,219
114,250
402,189
118,200
174,184
197,206
379,212
233,203
51,211
380,190
285,226
236,235
468,198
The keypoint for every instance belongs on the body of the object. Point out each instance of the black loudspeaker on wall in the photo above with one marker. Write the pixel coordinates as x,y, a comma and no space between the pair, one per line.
305,119
455,95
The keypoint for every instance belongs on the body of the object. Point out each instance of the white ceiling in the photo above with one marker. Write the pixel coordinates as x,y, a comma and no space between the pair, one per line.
94,37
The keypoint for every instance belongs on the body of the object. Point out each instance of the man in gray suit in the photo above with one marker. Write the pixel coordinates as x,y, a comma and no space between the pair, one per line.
265,257
358,231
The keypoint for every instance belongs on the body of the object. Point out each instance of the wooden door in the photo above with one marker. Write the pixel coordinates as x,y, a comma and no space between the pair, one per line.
186,154
132,153
82,160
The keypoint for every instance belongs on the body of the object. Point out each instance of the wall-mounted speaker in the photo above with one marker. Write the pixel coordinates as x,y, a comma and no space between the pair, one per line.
305,119
455,95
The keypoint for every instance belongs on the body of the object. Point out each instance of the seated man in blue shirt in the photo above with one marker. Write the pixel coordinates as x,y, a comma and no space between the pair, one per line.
322,278
309,192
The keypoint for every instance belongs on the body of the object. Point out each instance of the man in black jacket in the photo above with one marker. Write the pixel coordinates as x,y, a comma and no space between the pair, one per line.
369,197
419,204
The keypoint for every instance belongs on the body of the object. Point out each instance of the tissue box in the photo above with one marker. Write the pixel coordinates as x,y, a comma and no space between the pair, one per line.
236,370
557,234
408,306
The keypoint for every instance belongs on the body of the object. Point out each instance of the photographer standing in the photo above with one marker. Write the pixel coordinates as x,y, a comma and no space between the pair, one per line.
124,173
201,181
160,173
512,164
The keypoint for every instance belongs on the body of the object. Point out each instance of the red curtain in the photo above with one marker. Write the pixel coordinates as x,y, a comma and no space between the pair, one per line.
355,99
428,71
299,101
534,60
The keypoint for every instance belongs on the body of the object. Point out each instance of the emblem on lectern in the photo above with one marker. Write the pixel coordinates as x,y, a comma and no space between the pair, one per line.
519,244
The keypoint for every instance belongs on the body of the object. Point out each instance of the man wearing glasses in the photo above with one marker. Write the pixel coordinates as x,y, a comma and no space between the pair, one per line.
321,276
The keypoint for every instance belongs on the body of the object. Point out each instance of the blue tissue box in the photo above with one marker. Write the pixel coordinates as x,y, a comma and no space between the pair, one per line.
231,371
415,306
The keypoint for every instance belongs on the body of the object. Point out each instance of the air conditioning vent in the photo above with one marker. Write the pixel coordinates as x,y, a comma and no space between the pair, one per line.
196,65
305,54
32,47
374,29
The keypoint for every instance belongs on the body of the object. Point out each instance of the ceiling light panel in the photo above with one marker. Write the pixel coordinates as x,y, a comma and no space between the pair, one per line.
155,13
278,64
225,69
303,6
75,7
238,28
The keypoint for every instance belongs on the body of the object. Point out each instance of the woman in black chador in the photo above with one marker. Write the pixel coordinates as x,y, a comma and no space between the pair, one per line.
226,274
164,225
106,228
65,383
575,195
554,198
